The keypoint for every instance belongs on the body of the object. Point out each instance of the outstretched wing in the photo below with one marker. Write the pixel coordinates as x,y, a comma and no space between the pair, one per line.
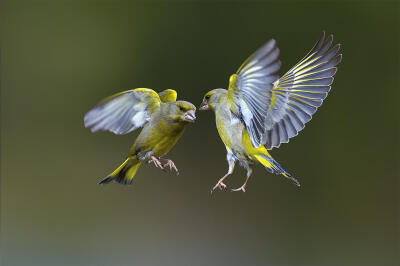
297,94
123,112
168,95
249,93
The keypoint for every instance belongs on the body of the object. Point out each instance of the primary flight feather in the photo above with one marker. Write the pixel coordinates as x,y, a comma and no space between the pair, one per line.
259,111
163,120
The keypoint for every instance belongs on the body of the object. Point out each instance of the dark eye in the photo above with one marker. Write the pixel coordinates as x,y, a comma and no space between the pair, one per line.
207,97
181,108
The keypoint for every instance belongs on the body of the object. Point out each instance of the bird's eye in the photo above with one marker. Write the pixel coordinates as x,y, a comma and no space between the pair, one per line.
207,97
181,108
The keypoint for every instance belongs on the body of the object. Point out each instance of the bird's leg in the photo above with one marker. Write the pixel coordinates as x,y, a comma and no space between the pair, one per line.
170,164
243,187
156,162
231,161
220,184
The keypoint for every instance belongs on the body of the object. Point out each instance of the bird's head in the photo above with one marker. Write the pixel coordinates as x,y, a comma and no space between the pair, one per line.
211,99
182,111
168,95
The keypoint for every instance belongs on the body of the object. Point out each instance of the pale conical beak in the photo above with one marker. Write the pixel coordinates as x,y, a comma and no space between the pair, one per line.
189,116
204,106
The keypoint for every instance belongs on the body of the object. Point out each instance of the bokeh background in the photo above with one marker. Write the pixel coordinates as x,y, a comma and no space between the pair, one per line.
58,58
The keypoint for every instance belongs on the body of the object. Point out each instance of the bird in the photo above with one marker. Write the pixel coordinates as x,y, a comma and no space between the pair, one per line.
162,118
259,110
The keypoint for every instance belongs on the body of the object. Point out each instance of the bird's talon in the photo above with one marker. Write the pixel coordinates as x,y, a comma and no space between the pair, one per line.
156,162
238,189
171,165
219,185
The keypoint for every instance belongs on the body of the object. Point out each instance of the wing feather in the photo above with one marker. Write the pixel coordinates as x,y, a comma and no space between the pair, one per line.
249,89
123,112
296,96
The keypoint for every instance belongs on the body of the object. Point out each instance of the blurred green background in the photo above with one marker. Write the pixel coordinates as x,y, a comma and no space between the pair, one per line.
59,58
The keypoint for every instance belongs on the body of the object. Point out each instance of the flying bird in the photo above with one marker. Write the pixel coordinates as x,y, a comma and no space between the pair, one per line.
163,120
259,111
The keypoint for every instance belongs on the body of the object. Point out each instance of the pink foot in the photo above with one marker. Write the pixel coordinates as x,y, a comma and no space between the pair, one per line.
156,162
242,188
171,166
219,185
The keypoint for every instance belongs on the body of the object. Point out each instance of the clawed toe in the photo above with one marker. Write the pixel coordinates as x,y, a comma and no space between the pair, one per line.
242,188
156,162
219,185
171,166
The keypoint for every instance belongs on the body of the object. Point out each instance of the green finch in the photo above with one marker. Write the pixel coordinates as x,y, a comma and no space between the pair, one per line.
163,120
259,111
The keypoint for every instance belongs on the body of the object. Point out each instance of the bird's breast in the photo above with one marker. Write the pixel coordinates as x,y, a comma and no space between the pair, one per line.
158,138
230,129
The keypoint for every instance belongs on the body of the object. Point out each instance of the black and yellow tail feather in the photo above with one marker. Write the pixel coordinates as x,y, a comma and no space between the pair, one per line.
124,174
274,167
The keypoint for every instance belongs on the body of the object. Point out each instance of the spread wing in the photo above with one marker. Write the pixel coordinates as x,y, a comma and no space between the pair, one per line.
296,96
249,93
168,95
123,112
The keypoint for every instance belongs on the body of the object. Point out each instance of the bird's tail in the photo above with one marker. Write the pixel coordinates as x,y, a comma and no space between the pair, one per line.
274,167
124,174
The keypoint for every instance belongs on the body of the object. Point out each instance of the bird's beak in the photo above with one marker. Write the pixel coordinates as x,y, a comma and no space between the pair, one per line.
189,116
204,106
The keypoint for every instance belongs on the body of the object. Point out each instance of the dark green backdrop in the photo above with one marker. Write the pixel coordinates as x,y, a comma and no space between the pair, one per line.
60,58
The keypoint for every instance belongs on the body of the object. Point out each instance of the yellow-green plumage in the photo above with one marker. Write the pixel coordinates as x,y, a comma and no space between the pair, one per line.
259,111
163,120
168,95
236,138
162,132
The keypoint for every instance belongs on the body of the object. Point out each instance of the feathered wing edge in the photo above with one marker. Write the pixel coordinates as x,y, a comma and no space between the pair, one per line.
123,112
297,95
249,89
